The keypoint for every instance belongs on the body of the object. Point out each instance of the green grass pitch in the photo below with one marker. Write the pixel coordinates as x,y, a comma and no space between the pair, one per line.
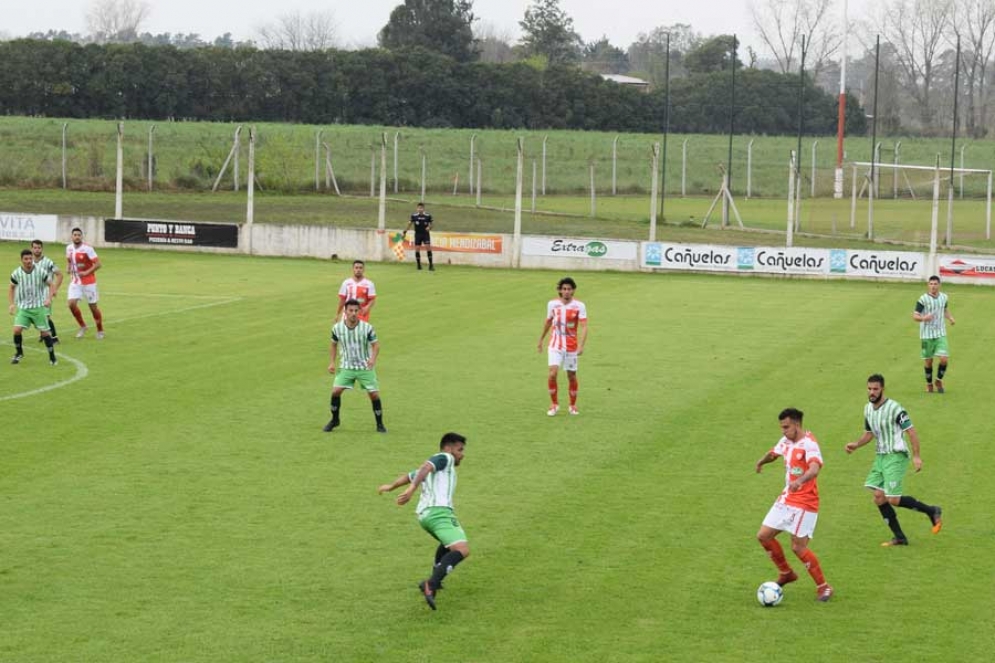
179,501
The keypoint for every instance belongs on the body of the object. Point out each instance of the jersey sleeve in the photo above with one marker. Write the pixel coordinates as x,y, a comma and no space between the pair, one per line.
582,311
372,335
919,307
91,252
904,420
439,461
549,309
343,292
867,426
371,290
813,454
778,449
13,277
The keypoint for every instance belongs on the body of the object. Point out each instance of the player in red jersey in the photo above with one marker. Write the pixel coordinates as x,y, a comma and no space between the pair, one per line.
796,509
82,262
567,317
361,289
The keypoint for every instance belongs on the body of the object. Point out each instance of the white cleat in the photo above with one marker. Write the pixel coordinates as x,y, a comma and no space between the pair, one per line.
573,409
100,335
551,412
82,332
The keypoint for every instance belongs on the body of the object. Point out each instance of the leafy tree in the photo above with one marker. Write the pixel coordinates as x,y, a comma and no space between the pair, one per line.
711,55
443,26
548,31
603,58
648,54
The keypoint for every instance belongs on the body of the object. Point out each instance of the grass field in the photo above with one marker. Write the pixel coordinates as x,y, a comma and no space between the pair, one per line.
178,502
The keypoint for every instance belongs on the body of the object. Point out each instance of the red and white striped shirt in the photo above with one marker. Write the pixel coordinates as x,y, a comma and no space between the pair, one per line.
564,321
80,258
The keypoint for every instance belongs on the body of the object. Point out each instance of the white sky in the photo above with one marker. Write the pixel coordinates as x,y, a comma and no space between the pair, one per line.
358,21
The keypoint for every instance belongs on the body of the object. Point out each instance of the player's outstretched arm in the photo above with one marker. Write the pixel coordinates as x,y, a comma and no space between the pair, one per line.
426,468
397,483
864,439
768,457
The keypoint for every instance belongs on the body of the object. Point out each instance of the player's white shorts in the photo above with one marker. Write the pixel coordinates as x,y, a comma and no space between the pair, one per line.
87,292
564,359
791,519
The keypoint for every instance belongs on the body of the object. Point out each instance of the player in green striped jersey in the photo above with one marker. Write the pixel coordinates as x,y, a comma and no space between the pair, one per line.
437,478
359,347
887,422
46,263
30,295
932,312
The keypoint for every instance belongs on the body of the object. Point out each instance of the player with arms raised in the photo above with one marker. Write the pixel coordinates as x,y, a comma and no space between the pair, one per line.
567,318
796,509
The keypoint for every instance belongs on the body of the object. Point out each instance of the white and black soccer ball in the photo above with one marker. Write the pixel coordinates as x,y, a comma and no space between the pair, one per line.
769,594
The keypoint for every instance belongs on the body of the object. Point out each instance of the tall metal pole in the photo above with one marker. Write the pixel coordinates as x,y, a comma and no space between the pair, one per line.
841,116
516,255
732,120
317,160
874,140
65,127
953,151
666,130
801,129
151,167
119,185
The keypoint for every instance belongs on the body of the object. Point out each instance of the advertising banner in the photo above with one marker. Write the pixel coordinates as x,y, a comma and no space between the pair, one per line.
458,242
129,231
887,264
563,247
702,257
26,227
967,267
782,260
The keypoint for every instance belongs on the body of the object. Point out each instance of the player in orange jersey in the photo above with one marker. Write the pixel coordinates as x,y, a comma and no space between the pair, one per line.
82,263
361,289
796,509
567,318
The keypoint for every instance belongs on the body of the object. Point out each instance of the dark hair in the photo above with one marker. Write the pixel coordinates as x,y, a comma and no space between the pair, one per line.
77,229
358,262
352,302
38,242
877,377
934,277
25,252
451,438
792,413
420,205
566,281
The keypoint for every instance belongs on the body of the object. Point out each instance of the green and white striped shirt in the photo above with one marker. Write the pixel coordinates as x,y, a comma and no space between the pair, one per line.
48,265
438,487
355,344
937,327
888,423
31,287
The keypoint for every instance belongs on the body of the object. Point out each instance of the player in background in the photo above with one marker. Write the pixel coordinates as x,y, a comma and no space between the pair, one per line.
796,509
422,224
29,296
887,422
437,478
932,312
46,263
82,263
361,289
360,348
567,318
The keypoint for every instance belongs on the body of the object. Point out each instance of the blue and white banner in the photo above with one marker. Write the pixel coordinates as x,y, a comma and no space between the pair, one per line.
26,227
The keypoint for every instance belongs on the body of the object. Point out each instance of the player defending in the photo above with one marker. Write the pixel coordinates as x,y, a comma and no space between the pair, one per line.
82,264
29,296
932,312
422,224
437,478
46,264
567,317
887,422
360,348
361,289
796,509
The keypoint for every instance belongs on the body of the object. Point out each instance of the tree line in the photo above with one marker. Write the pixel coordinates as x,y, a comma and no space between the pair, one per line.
403,87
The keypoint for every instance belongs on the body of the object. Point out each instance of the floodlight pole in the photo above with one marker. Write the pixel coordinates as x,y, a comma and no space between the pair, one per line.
953,150
653,191
151,158
666,130
317,160
119,184
516,255
841,115
65,127
250,188
749,169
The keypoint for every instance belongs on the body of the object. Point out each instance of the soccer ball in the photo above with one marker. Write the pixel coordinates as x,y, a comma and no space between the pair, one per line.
769,594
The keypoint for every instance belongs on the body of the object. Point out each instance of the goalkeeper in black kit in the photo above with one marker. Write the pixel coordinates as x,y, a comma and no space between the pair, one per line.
422,223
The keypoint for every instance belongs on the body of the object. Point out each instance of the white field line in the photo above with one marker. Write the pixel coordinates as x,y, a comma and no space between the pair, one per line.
222,302
155,294
81,372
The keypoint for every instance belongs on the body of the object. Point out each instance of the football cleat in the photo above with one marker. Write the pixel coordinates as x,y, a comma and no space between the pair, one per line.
939,386
929,387
53,362
381,428
573,409
895,542
16,359
428,593
785,578
937,519
331,425
100,335
824,593
82,331
551,412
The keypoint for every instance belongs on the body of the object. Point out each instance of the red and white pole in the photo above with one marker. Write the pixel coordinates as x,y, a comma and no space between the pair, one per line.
841,118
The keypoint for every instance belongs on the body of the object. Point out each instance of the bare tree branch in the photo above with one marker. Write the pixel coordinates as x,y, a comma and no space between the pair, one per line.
116,20
314,31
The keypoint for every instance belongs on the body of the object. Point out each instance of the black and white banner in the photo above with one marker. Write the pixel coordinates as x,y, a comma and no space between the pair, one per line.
130,231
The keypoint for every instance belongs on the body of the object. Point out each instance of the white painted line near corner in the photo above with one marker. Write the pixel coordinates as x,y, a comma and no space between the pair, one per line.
175,310
81,372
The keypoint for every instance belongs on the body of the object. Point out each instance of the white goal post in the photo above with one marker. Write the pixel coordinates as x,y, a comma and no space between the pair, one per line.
938,173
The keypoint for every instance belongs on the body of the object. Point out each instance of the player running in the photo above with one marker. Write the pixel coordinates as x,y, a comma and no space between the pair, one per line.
796,509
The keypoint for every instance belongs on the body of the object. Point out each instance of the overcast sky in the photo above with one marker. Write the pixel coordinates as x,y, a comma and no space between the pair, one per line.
358,21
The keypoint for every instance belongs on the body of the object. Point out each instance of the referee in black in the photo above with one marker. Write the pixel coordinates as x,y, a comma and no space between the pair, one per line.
422,223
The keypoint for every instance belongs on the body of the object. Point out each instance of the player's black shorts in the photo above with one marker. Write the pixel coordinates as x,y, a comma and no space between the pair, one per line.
423,238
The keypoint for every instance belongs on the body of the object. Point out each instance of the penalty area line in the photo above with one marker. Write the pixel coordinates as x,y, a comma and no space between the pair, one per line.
81,372
176,310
